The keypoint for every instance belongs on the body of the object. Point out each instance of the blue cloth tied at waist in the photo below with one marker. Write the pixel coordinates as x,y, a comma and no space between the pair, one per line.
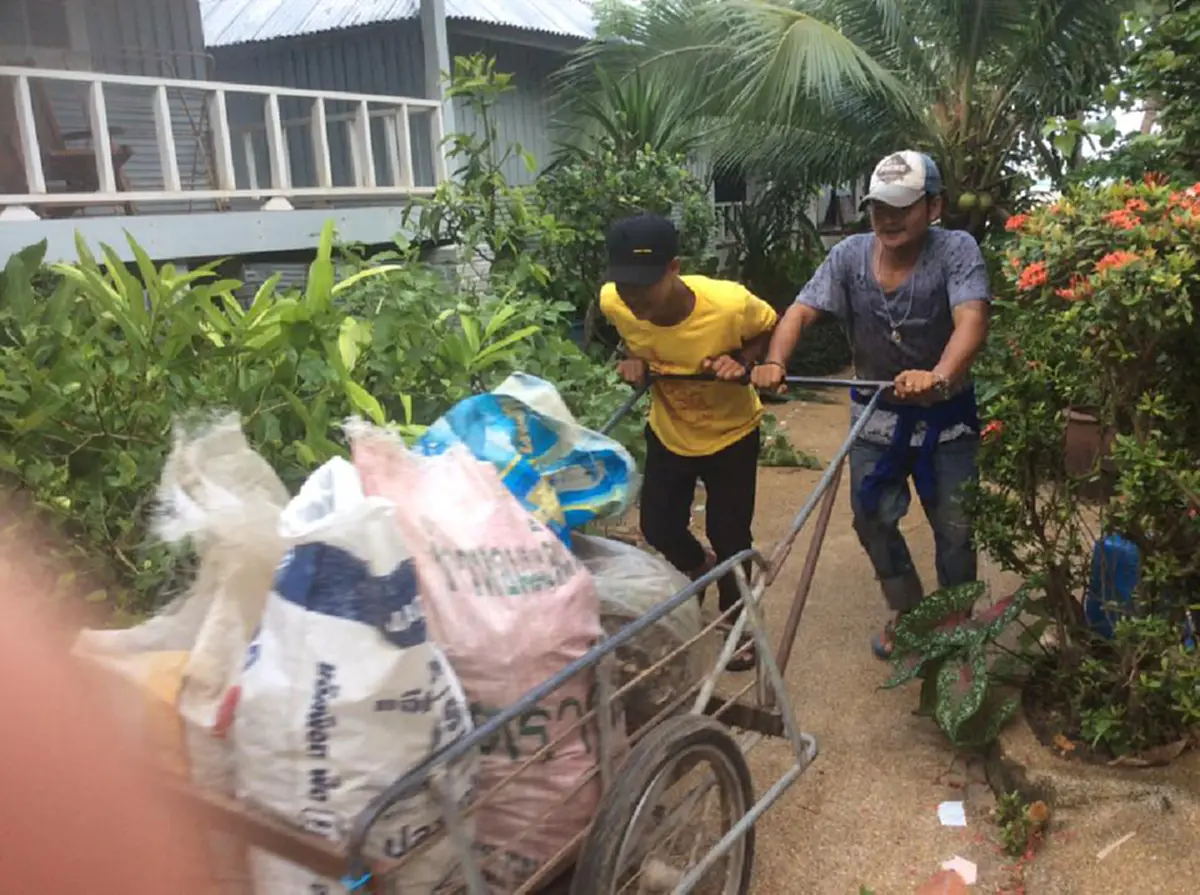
893,465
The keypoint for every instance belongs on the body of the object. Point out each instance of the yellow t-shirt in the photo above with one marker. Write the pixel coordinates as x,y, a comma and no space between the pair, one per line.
696,419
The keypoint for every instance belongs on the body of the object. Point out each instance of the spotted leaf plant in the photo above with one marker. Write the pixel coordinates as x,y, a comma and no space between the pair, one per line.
954,651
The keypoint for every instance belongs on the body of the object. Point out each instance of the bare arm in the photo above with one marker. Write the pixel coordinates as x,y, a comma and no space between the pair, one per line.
787,333
971,320
754,350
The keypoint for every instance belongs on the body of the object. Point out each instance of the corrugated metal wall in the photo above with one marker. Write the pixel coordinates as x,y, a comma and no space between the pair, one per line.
386,59
138,37
156,38
381,59
526,113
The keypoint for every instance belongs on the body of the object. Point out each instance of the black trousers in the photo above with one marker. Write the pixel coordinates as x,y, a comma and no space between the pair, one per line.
730,479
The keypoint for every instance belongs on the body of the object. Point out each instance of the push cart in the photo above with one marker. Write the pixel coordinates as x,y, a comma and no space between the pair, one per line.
677,809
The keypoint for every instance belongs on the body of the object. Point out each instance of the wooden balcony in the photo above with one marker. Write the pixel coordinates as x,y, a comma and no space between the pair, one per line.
81,143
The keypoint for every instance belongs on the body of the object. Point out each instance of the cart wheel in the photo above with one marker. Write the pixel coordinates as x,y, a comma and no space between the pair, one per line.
639,845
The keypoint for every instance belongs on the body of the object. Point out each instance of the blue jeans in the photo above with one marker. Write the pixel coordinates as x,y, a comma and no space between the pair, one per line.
879,532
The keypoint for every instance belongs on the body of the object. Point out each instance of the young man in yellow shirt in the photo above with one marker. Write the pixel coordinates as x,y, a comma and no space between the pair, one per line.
706,431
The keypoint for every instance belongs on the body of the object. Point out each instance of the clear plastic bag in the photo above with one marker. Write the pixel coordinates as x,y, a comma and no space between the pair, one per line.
630,582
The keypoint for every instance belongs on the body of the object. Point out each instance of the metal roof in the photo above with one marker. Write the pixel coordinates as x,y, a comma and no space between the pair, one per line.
229,22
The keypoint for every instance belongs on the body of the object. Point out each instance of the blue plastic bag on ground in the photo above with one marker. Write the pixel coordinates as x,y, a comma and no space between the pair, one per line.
562,473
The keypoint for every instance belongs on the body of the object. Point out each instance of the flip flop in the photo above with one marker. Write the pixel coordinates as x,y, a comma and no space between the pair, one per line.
883,644
745,657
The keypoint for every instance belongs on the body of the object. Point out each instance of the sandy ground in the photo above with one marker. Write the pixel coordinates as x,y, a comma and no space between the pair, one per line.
864,816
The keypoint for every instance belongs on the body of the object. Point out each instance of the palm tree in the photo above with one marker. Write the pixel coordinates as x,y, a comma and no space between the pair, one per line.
817,90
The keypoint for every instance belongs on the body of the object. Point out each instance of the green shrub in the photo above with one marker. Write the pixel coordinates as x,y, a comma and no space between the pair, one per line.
1099,314
586,195
97,366
823,350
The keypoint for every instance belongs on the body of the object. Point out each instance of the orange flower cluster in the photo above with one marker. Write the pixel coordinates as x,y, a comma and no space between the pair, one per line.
1137,204
1016,222
1078,289
1033,275
1123,219
992,430
1115,261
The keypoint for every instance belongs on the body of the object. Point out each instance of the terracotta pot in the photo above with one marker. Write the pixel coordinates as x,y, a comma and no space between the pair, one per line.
1087,446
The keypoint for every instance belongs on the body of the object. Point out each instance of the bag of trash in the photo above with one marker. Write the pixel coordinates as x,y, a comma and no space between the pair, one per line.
631,582
511,607
218,494
562,473
343,693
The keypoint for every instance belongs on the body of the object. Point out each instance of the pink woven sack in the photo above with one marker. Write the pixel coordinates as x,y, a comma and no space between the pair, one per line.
510,606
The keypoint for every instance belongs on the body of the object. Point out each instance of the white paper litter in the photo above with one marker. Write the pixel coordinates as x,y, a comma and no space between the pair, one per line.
964,868
1112,847
952,814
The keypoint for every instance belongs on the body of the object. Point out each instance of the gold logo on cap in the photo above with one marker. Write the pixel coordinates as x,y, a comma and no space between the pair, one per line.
643,251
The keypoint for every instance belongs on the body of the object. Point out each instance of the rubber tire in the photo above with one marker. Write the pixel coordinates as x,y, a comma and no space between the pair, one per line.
596,870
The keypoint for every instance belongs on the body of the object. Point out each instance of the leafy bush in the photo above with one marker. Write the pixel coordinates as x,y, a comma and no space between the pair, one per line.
1100,315
775,250
778,450
1140,692
548,239
823,350
97,366
586,194
1165,69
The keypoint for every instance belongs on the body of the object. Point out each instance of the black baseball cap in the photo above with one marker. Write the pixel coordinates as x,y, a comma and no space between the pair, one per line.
640,249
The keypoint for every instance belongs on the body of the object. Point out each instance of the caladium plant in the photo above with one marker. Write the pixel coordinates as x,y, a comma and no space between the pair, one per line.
952,650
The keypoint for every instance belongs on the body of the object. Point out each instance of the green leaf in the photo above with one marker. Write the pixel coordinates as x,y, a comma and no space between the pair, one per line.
353,336
319,288
985,725
470,328
500,344
909,667
365,403
356,278
962,685
927,706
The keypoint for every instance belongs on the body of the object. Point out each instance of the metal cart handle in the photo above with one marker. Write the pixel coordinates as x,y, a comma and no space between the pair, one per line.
708,376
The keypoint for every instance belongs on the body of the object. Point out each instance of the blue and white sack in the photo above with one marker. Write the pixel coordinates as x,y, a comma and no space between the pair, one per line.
562,473
342,692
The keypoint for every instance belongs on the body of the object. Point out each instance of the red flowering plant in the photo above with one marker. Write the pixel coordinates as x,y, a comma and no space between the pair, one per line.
1097,312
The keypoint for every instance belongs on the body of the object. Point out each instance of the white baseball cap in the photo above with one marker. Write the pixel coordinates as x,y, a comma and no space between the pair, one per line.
902,178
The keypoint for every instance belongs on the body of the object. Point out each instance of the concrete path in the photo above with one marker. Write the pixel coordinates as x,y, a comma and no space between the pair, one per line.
865,813
863,818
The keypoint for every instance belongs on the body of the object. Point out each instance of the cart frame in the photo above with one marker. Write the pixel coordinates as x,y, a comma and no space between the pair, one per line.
772,715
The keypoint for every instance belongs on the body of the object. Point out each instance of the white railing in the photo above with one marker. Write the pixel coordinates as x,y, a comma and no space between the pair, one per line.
395,114
726,213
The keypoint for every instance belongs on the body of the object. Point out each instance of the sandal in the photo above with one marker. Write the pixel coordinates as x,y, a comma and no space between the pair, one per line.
883,644
745,657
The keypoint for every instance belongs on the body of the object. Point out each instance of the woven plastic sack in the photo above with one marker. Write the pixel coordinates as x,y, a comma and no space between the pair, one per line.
220,495
630,583
562,473
343,693
511,607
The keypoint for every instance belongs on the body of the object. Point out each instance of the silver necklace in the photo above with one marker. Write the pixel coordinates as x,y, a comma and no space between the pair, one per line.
893,325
